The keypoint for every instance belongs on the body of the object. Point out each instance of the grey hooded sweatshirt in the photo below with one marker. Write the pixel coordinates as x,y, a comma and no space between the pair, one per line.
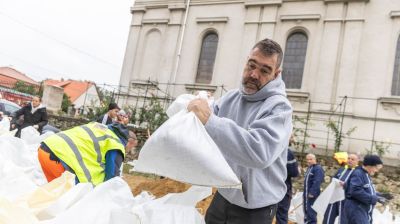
252,132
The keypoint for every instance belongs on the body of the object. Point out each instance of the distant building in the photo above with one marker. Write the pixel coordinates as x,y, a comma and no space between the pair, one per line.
82,94
8,78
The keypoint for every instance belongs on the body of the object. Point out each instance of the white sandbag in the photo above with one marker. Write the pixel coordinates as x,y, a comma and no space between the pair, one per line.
188,198
19,172
22,155
386,217
65,201
296,213
179,104
4,125
29,134
97,205
182,101
174,208
125,215
122,216
333,193
13,214
168,214
14,182
47,194
182,150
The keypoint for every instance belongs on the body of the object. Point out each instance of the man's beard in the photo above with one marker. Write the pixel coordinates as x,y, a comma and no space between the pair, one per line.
250,83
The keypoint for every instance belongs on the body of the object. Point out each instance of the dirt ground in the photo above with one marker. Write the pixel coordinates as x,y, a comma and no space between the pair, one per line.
160,187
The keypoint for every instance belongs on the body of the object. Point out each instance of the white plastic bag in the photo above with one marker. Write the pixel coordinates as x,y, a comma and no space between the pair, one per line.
182,150
29,134
333,193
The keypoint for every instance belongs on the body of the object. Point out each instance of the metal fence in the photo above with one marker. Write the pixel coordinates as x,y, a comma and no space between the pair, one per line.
325,128
351,124
142,92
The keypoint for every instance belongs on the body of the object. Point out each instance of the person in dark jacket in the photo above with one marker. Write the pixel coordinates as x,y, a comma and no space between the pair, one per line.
34,114
312,183
336,209
292,171
360,193
110,116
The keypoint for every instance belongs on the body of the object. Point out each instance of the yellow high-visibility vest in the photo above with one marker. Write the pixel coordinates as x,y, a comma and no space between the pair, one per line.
83,149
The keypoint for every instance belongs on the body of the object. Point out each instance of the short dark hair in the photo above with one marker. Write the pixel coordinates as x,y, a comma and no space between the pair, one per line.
113,106
269,47
39,97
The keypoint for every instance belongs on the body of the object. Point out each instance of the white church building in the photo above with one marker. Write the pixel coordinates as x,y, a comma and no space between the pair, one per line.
341,60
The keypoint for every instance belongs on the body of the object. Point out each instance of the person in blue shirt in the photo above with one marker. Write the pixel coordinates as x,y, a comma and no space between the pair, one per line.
360,193
336,209
312,183
292,171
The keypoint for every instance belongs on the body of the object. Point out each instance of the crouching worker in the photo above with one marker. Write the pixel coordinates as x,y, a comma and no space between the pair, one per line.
93,152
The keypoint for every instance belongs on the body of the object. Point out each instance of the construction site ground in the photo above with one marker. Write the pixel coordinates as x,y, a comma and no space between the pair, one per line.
162,186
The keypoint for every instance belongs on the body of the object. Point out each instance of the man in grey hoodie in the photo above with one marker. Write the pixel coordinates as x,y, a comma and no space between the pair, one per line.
251,127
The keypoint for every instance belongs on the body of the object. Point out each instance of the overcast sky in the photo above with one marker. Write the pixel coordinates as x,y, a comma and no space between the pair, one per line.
76,39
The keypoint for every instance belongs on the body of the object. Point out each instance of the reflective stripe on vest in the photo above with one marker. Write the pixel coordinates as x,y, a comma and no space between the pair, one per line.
78,155
96,144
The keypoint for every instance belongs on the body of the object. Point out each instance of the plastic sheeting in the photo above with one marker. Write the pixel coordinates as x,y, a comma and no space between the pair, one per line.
182,150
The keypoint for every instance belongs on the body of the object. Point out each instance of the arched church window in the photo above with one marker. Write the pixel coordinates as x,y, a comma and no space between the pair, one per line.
294,60
207,58
396,71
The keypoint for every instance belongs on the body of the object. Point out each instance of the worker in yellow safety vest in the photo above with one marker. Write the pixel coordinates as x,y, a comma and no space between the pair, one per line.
93,152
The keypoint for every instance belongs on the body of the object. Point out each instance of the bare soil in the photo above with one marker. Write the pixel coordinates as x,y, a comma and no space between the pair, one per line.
160,187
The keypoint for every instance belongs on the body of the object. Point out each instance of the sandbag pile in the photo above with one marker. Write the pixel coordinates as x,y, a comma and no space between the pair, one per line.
27,198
